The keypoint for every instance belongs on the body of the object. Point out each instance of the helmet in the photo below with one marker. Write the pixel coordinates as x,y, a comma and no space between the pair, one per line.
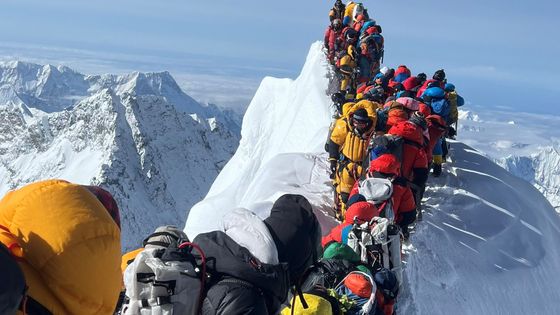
336,24
449,87
350,35
338,98
361,115
439,75
419,120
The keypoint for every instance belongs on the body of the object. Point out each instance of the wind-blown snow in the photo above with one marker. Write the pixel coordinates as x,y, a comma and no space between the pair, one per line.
487,244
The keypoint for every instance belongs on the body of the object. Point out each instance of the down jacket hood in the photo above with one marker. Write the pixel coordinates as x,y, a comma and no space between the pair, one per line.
249,231
71,247
296,232
409,131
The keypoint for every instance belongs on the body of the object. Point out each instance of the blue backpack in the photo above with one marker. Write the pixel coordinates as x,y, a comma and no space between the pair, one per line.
441,106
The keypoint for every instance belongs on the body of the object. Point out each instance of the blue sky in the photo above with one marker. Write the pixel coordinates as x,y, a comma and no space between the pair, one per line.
498,53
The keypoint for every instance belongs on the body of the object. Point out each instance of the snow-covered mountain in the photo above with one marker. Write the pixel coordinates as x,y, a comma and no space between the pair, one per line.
138,135
525,144
487,244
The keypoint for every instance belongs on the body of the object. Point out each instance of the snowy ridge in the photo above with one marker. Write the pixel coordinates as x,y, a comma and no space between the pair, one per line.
487,242
130,134
285,116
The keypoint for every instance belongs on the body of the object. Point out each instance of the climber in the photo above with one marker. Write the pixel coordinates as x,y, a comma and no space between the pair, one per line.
332,39
58,225
347,66
362,211
261,287
414,164
437,128
347,148
337,11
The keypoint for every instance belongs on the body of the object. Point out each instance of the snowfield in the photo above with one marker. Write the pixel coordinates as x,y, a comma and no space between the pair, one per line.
488,242
529,147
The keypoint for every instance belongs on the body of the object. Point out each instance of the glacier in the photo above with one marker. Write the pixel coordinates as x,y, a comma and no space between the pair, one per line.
138,135
487,244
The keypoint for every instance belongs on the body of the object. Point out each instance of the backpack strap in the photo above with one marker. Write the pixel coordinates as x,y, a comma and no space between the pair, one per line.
203,270
30,306
413,143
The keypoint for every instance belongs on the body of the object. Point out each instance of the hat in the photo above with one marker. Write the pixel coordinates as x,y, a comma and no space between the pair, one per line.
386,163
361,115
362,210
419,120
439,75
409,103
421,77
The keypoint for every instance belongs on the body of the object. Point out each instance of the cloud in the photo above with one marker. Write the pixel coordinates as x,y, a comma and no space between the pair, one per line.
203,78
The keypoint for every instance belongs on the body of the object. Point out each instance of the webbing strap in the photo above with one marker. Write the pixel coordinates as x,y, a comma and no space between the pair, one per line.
32,307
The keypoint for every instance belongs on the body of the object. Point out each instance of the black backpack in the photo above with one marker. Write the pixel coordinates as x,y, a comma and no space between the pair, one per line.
327,273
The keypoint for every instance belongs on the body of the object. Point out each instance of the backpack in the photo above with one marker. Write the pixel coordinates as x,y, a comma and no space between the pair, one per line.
374,45
327,273
382,117
378,243
441,106
379,192
386,144
167,277
360,289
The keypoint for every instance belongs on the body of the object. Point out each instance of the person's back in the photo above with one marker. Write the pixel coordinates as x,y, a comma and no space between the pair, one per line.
243,282
413,154
59,225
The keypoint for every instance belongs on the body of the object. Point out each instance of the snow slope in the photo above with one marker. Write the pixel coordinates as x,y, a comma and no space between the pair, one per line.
527,145
285,120
152,146
486,245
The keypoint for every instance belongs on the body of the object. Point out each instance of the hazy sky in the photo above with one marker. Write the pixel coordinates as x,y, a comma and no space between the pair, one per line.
498,53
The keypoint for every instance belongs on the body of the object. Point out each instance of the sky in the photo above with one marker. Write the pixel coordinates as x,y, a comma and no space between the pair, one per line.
498,53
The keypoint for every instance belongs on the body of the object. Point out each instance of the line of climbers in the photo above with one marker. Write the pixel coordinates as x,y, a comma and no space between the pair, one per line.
60,254
60,242
354,45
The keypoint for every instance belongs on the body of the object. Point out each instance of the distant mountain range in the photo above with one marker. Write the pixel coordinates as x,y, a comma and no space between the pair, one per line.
138,135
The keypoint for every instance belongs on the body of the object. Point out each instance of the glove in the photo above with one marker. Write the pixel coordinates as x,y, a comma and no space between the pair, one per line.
333,168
